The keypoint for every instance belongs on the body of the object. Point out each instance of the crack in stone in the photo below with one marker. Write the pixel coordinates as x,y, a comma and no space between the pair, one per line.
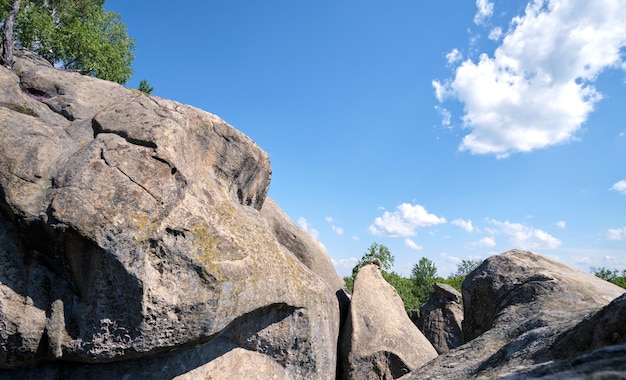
98,129
102,156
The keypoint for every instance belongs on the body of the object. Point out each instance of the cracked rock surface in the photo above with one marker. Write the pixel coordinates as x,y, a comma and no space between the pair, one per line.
131,233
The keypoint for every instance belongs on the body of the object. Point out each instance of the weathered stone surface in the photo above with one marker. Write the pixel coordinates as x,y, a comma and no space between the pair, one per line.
516,304
301,244
379,341
605,363
605,328
441,318
131,227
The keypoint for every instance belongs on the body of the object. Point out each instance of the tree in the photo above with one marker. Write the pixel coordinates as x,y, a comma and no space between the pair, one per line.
614,276
404,286
144,86
406,290
423,275
466,267
375,251
76,35
7,35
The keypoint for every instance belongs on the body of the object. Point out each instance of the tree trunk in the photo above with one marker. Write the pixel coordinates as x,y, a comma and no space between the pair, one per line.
7,35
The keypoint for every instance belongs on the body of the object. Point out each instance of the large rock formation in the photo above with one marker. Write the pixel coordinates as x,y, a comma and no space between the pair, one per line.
131,239
441,318
379,341
137,241
516,305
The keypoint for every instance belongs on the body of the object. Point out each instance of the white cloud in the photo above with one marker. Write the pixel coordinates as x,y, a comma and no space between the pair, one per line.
525,237
337,230
495,33
329,219
449,263
441,90
454,56
619,186
487,241
485,10
464,224
617,233
308,228
344,266
560,224
404,221
445,116
537,89
411,244
448,257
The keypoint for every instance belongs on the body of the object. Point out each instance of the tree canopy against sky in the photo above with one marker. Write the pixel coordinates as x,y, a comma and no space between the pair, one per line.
75,35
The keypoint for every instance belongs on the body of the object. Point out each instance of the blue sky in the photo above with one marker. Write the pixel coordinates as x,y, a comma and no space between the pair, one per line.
447,129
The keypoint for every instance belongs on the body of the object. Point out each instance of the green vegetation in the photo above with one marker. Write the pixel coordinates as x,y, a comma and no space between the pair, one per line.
614,276
144,86
423,275
74,35
415,290
378,251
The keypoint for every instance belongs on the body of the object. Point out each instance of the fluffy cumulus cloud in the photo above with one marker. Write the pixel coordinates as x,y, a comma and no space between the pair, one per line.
525,237
413,245
404,221
560,224
538,87
464,224
617,233
620,186
484,11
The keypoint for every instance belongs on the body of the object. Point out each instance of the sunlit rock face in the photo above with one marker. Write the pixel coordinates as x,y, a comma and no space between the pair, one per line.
132,239
379,341
517,306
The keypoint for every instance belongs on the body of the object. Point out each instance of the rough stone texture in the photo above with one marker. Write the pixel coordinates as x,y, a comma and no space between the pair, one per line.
441,317
516,304
301,244
131,238
379,341
604,328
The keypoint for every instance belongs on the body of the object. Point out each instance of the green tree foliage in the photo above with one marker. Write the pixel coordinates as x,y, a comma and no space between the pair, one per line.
76,35
416,290
144,86
423,275
406,290
349,281
463,268
615,276
466,267
378,251
404,286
